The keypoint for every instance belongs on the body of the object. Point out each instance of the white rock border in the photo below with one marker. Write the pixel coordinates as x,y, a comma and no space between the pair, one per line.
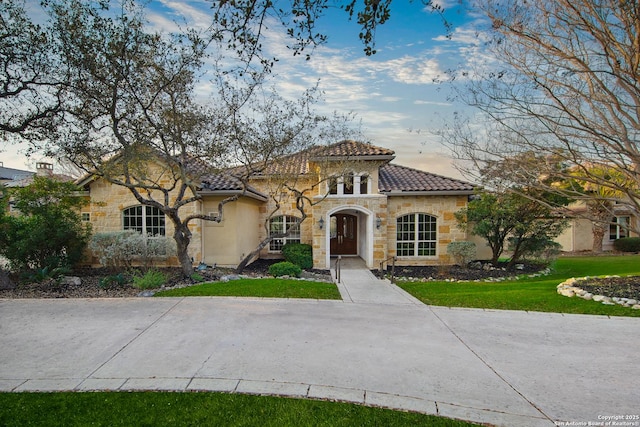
571,288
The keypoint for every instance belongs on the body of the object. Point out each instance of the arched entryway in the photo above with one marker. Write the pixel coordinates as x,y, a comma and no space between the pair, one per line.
350,233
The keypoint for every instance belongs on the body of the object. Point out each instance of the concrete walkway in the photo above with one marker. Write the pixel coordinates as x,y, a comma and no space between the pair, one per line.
358,285
500,367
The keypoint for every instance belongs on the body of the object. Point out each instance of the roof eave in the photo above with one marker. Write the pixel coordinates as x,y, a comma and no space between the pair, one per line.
252,194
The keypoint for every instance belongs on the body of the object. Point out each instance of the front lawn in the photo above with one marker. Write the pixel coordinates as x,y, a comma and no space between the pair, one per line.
263,287
196,409
531,294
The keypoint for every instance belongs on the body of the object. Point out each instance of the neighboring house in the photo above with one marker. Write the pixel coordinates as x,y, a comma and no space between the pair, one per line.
16,178
9,175
360,204
578,237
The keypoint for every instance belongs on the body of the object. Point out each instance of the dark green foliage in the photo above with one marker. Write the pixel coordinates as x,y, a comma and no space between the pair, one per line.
48,232
285,268
45,273
510,217
298,253
196,278
113,280
627,244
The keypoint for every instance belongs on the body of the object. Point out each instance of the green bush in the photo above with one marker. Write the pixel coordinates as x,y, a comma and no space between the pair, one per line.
48,233
627,244
151,280
113,280
285,268
298,253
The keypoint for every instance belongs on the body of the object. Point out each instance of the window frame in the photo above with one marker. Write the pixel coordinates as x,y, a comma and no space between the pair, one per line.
142,225
349,185
417,233
616,228
275,245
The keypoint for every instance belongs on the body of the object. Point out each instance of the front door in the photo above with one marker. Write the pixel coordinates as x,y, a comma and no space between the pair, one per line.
344,234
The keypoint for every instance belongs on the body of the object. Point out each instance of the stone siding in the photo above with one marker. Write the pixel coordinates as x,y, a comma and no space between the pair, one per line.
441,207
105,210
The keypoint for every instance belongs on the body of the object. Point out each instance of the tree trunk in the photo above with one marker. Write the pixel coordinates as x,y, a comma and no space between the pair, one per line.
254,253
182,236
598,231
601,213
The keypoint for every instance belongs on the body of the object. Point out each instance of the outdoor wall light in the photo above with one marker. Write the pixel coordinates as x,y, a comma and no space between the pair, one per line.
378,222
321,223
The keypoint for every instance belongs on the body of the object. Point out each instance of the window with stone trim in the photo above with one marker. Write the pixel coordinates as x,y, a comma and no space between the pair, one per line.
416,235
280,224
147,220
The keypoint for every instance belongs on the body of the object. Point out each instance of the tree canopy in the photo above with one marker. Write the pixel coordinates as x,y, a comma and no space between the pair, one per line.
564,84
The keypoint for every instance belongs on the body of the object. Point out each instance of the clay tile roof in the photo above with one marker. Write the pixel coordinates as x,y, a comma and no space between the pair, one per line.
395,178
350,148
226,182
298,163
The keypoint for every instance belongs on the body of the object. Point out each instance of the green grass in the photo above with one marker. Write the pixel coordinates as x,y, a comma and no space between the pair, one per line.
264,288
195,409
532,294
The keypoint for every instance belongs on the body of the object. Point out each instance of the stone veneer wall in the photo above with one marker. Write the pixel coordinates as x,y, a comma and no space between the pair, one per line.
107,204
443,208
374,203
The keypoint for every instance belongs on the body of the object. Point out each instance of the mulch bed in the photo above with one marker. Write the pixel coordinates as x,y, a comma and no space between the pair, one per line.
90,288
621,287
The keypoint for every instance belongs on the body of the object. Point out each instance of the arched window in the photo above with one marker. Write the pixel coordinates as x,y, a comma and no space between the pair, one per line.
147,220
279,225
416,235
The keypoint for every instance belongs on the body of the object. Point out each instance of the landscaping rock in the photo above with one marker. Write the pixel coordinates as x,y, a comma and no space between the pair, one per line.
147,293
71,281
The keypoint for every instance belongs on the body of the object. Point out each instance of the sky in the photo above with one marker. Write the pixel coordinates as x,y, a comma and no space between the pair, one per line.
394,94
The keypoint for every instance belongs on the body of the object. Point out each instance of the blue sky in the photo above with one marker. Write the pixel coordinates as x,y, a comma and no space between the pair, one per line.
392,93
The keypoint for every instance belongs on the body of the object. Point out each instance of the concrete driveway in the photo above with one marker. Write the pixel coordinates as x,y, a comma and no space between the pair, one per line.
500,367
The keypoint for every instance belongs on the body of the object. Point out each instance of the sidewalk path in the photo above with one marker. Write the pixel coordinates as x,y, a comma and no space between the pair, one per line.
499,367
358,285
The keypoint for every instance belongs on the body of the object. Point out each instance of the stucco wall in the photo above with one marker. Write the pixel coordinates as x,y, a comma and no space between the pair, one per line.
226,243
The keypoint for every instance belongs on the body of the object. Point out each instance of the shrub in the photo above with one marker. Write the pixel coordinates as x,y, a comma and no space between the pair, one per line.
196,278
120,248
298,253
285,268
627,244
462,252
113,280
151,280
42,274
48,232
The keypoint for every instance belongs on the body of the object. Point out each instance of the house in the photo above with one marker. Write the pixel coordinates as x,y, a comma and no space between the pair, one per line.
578,237
11,175
16,178
357,202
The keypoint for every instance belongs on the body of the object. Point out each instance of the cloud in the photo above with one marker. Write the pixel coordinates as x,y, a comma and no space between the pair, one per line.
422,102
